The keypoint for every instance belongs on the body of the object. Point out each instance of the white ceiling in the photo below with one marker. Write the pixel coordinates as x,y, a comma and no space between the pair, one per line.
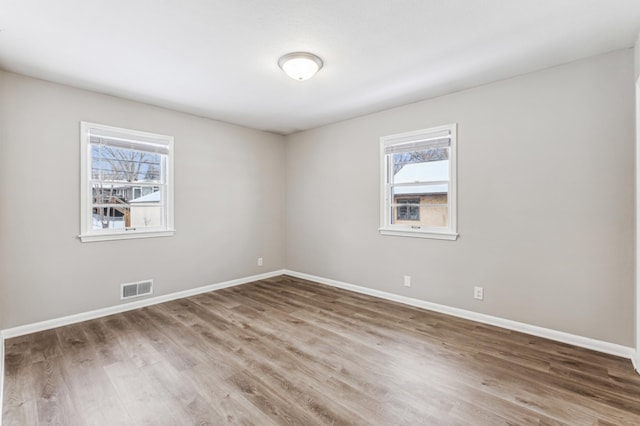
218,58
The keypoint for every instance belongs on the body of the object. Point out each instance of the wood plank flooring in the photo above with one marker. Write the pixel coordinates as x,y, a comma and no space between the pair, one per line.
288,351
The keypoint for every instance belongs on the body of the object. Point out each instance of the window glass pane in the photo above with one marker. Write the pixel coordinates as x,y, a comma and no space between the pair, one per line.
434,211
119,206
122,193
110,217
407,209
124,165
429,210
426,189
421,166
414,213
143,216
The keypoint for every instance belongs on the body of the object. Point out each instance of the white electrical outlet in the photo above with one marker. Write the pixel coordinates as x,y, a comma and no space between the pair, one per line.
478,293
259,261
407,280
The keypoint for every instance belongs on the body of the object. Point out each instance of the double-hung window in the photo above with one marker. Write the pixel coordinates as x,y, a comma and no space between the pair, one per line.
126,183
418,183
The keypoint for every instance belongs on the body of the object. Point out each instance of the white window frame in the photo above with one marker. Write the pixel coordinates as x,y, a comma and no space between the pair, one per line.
408,230
87,233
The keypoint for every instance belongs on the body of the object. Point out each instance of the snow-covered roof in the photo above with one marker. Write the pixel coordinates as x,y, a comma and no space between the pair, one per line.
154,197
420,172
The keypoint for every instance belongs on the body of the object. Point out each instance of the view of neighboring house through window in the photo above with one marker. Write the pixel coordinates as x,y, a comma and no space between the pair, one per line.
408,209
419,183
127,183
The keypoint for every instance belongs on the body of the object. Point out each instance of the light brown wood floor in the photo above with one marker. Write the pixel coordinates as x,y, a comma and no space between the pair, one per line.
287,351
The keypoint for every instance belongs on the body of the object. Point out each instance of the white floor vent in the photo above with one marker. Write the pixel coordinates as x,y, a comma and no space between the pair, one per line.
137,289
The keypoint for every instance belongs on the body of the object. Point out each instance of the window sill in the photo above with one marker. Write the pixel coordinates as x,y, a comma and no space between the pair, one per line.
419,234
86,238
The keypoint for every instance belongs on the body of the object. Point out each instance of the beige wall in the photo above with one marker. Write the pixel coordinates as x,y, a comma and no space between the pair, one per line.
637,57
46,272
637,194
545,201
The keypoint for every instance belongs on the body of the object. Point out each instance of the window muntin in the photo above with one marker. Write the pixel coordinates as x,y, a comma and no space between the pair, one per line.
418,183
127,183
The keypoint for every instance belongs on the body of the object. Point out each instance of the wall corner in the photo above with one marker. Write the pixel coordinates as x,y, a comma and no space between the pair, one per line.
636,358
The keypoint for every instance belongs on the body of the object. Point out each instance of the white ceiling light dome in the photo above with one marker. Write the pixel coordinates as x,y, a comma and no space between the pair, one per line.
300,65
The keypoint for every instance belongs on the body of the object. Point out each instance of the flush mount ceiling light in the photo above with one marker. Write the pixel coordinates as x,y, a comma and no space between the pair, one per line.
300,65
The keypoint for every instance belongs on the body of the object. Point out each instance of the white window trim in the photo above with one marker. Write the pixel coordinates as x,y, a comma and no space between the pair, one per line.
386,228
87,234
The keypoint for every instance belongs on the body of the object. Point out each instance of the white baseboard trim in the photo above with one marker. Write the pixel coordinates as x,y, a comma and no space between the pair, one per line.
636,362
560,336
72,319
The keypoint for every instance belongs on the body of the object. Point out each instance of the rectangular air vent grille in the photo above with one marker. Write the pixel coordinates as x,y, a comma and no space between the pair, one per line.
137,289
